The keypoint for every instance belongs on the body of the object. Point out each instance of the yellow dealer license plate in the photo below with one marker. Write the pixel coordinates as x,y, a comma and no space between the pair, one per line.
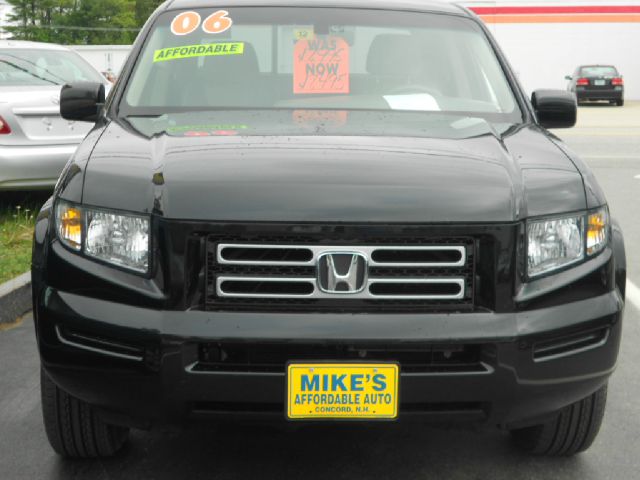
342,391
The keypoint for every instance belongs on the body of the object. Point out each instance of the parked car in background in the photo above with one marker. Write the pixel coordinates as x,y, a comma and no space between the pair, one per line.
35,141
597,82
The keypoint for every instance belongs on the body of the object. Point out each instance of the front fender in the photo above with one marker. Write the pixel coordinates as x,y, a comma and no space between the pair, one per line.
41,235
40,251
620,256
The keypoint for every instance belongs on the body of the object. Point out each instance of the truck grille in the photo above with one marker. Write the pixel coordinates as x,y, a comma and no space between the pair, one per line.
273,358
296,273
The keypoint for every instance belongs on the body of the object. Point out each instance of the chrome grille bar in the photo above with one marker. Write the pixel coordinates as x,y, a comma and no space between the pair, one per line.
458,286
222,281
453,256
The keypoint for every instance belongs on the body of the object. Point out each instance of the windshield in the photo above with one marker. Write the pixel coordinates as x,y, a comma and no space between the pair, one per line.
599,72
319,59
22,67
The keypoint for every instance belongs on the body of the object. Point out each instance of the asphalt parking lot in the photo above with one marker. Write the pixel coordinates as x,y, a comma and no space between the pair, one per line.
608,138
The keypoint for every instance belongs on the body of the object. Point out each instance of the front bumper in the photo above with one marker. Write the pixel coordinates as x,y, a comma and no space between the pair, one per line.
33,167
158,385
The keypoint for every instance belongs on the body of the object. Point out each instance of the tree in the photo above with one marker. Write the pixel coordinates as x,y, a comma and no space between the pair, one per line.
31,19
88,22
144,8
94,22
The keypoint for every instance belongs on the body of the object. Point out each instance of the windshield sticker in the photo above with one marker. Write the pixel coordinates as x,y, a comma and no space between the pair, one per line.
321,66
212,126
217,23
314,118
188,22
214,133
220,130
196,133
191,51
303,33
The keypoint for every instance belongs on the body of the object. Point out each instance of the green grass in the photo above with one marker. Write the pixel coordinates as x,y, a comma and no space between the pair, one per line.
17,219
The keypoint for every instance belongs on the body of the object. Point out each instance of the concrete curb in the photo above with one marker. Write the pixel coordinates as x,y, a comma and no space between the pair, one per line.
15,298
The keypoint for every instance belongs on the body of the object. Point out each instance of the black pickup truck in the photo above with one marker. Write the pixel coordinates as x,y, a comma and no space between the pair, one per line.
342,211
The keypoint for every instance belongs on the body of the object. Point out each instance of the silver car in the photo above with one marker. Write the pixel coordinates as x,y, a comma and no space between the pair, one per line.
35,141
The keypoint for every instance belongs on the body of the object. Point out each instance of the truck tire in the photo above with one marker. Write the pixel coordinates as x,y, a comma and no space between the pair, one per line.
74,428
572,431
620,102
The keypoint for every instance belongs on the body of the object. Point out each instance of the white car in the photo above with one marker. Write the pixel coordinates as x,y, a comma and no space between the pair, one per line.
35,141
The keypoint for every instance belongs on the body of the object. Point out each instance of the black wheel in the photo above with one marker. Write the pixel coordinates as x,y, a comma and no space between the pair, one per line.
620,102
73,427
571,432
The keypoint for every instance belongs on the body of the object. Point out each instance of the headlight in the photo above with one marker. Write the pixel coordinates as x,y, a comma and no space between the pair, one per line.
113,237
119,239
555,243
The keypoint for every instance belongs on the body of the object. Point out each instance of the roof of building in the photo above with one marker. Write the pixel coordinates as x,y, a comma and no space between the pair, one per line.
30,45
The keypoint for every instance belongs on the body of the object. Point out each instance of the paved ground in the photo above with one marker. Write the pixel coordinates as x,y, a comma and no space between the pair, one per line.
609,139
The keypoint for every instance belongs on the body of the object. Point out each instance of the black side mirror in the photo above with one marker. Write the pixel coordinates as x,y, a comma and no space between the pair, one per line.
82,102
555,108
568,77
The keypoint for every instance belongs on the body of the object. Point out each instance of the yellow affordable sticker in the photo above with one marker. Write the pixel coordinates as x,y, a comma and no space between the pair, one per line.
191,51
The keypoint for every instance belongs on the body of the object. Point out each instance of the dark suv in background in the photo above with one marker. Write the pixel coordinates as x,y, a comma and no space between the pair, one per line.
318,214
592,83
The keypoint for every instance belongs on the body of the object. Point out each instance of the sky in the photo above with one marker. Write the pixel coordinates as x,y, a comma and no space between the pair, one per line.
3,13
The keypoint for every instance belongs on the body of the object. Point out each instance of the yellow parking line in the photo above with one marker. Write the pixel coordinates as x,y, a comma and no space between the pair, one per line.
10,326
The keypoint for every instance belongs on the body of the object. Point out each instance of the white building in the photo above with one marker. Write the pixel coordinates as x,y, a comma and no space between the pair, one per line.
104,57
545,40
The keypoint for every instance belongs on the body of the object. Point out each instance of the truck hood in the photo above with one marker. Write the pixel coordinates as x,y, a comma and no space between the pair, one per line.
352,179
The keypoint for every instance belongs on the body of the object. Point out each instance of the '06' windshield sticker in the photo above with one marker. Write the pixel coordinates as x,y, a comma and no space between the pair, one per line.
321,65
188,22
208,130
191,51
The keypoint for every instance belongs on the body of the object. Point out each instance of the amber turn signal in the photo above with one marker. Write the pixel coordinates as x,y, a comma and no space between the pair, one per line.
69,225
597,231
